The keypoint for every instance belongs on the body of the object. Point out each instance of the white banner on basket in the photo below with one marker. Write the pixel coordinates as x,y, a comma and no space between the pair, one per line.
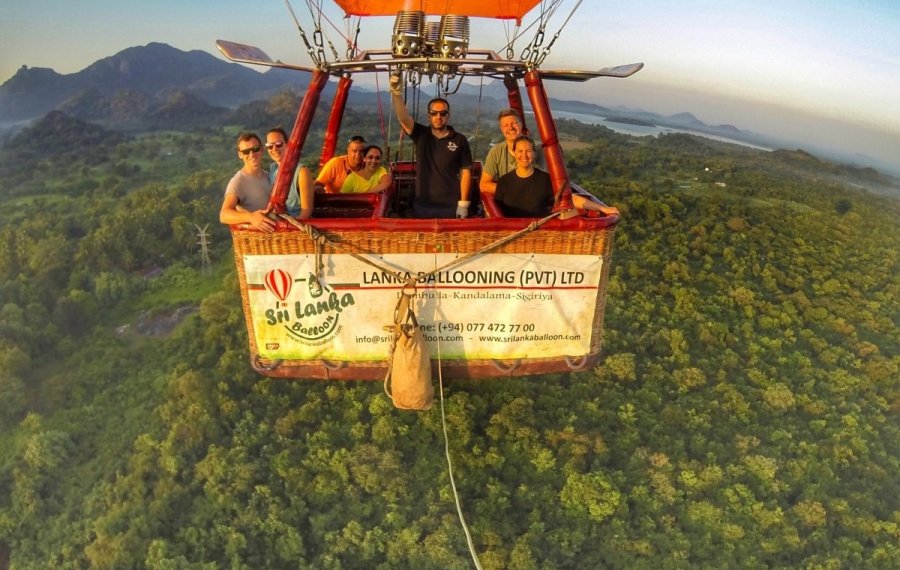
492,306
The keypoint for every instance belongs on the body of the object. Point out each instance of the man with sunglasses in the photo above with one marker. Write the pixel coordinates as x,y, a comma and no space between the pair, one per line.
298,204
333,175
247,194
443,159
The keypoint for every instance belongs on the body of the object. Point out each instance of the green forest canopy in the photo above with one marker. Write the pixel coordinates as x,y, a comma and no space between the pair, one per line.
744,414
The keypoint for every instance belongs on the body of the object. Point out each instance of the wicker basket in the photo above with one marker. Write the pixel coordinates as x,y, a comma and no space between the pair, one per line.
578,236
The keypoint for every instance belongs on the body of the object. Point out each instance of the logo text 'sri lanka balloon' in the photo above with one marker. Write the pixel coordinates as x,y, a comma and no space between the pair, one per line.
279,282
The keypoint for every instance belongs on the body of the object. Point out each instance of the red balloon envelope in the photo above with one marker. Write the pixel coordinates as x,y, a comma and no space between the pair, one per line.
279,282
503,9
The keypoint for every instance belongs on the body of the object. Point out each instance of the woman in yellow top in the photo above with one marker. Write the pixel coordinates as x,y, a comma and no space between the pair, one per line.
372,177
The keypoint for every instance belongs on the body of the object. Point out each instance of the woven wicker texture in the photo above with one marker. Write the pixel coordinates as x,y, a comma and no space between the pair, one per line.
575,242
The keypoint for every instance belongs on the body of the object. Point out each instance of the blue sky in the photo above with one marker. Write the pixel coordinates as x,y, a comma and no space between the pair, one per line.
820,68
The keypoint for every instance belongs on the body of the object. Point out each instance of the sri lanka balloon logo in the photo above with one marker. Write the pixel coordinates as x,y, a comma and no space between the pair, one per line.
315,317
279,283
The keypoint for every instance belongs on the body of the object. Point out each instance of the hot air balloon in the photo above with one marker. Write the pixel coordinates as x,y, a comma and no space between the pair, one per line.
493,295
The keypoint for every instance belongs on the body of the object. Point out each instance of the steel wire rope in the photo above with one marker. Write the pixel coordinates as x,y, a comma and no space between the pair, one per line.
546,51
522,31
317,14
530,53
352,46
384,135
309,49
317,34
478,115
519,32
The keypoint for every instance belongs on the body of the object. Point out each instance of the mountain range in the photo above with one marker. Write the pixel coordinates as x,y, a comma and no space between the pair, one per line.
157,86
155,77
154,84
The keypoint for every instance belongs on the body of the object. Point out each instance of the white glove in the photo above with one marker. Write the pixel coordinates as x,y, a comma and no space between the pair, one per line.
396,85
462,209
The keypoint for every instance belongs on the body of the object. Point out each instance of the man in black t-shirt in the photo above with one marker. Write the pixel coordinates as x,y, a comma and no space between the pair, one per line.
443,159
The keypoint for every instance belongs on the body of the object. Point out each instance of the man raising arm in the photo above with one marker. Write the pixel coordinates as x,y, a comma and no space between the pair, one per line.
443,159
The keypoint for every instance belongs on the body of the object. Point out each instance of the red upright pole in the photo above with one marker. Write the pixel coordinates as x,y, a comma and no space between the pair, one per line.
515,100
335,119
298,138
556,164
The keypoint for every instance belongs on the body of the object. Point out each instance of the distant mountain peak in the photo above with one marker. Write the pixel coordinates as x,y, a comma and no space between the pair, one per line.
684,116
686,119
26,73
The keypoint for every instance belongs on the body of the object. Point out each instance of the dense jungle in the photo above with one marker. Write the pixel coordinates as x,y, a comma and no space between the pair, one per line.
744,413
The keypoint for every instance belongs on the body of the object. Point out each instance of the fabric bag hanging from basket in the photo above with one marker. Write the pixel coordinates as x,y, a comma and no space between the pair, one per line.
409,373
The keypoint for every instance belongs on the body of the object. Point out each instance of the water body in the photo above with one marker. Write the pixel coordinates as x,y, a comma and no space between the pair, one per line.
647,131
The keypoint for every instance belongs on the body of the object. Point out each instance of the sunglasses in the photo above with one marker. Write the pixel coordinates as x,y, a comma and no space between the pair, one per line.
247,151
436,113
278,144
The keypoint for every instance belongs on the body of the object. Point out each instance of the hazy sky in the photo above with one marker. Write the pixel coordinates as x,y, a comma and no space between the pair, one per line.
824,69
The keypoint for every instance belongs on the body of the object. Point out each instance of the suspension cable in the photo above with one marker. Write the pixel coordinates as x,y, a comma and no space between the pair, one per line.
309,48
478,115
384,137
546,50
353,46
530,52
518,34
315,13
320,15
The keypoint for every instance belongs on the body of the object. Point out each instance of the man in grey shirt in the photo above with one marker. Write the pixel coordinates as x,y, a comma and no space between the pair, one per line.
248,191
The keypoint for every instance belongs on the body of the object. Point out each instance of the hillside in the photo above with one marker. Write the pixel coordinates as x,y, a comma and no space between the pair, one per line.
151,71
744,413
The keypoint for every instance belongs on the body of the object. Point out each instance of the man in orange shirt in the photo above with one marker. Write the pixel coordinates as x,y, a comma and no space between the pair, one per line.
333,175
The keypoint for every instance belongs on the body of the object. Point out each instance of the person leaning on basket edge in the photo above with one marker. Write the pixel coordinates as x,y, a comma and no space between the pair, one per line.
247,194
443,159
299,203
527,192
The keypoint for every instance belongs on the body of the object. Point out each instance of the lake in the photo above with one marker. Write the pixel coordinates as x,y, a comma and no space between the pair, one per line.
646,131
